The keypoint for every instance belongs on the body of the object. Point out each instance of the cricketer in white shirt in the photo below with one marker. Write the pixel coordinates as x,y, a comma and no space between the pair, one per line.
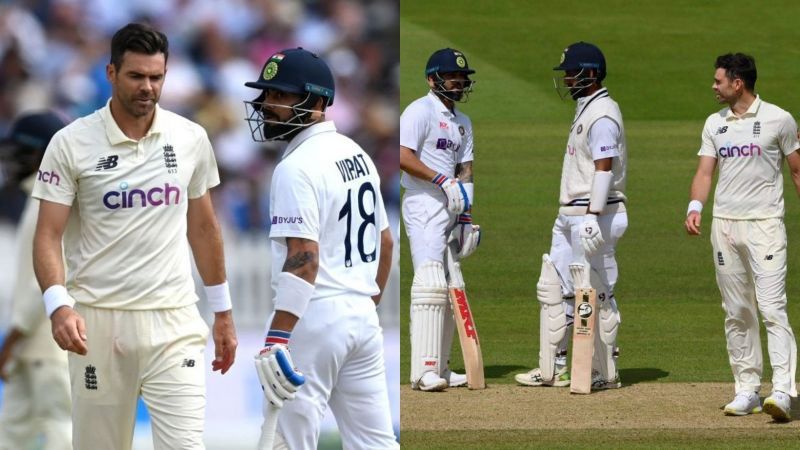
748,141
127,187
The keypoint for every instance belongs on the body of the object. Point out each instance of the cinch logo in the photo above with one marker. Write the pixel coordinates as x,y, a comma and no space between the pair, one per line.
730,151
463,308
157,196
49,177
278,220
570,150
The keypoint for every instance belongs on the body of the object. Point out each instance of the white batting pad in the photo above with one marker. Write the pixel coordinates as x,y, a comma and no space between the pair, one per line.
552,317
429,300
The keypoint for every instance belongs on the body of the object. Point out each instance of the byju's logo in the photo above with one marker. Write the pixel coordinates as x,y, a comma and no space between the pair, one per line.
106,162
280,220
157,196
447,144
734,151
49,177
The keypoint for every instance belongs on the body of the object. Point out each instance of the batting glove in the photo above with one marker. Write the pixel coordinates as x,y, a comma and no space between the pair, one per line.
454,193
276,372
591,237
467,235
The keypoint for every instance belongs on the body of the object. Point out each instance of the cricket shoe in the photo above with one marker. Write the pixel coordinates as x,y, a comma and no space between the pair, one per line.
534,378
600,384
454,379
745,402
430,382
779,406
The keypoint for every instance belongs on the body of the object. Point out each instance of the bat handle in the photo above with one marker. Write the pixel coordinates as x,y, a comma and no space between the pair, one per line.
268,428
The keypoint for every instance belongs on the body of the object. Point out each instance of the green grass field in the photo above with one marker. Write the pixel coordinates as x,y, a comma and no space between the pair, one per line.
660,68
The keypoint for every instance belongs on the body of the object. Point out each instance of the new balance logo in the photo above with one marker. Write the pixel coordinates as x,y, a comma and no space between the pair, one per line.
721,130
187,363
106,162
91,378
768,258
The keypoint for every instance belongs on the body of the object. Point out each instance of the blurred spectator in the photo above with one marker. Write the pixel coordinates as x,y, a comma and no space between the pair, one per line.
53,53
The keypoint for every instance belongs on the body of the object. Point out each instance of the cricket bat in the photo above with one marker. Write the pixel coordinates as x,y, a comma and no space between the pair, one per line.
583,331
268,429
467,333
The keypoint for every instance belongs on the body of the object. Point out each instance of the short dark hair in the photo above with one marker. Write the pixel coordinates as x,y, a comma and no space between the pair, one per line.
137,38
739,66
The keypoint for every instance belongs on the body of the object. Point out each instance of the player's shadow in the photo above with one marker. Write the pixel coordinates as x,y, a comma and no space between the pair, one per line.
640,374
502,371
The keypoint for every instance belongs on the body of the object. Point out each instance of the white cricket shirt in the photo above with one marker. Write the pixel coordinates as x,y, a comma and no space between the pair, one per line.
440,138
27,311
597,132
129,249
327,189
749,151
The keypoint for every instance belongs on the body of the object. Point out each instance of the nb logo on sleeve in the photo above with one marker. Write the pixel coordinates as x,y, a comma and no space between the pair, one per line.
106,162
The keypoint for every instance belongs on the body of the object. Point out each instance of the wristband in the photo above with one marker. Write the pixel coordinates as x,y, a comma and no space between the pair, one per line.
293,294
218,297
55,297
695,205
277,337
464,218
439,179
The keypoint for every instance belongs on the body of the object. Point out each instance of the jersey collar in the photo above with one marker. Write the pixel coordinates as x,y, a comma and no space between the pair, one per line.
752,111
584,100
318,128
438,104
115,134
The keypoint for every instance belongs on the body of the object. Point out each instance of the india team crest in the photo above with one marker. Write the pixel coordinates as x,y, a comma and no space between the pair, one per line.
461,130
270,70
461,62
563,56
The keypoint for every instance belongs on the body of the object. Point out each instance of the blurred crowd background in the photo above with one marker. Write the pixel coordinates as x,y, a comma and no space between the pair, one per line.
53,54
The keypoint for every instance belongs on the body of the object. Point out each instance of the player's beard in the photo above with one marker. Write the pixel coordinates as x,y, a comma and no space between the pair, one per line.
139,105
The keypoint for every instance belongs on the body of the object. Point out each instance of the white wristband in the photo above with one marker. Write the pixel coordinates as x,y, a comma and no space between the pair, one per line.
218,297
55,297
695,205
293,294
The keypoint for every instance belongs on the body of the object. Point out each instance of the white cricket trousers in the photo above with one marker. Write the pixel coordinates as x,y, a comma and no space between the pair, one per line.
427,224
566,248
750,261
338,346
36,406
158,354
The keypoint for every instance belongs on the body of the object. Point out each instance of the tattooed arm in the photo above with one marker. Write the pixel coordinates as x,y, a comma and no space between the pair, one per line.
464,172
302,260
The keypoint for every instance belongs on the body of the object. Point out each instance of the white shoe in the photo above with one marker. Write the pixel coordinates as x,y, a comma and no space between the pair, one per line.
430,382
600,384
779,406
454,379
745,402
534,378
